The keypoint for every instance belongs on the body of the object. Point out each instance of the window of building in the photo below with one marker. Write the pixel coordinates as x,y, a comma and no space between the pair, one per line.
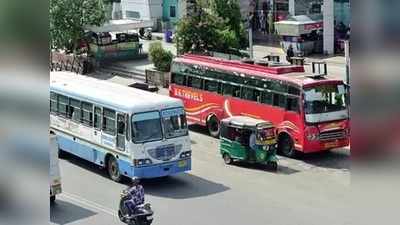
178,79
62,105
195,82
87,113
108,121
231,90
75,110
53,102
132,14
211,85
172,11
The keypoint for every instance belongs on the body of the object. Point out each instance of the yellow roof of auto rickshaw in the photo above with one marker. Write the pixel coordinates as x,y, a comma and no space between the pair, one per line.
245,121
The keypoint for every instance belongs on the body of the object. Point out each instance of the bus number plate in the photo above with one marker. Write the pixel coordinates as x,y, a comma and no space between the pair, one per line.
182,163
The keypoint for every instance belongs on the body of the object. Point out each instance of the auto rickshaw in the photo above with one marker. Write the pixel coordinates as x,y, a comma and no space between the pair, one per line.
235,141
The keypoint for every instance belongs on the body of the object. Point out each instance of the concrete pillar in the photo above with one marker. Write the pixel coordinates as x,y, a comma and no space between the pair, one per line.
292,7
329,26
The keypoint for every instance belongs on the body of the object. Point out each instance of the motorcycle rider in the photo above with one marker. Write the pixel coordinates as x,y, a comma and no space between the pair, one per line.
136,196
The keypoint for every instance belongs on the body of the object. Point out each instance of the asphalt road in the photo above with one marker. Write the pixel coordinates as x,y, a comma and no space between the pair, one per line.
307,191
302,192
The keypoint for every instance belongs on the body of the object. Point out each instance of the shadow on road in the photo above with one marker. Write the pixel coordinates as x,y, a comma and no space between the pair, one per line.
182,186
62,212
198,129
284,170
334,159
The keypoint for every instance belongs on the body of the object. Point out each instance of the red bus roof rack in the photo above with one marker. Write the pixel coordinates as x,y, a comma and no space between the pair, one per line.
238,64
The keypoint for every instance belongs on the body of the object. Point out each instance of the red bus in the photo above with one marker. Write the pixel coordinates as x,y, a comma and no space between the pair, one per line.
310,112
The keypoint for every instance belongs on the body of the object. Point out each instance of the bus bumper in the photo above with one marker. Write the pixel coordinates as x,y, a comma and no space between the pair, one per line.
319,146
162,170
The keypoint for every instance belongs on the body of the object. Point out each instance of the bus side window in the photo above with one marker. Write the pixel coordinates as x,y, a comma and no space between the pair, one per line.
53,103
267,98
251,94
179,79
279,100
108,121
293,104
231,90
195,82
74,110
62,105
248,93
97,118
211,85
87,113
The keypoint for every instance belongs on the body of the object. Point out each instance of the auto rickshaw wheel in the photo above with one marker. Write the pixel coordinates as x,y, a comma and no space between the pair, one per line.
286,146
213,126
272,165
227,159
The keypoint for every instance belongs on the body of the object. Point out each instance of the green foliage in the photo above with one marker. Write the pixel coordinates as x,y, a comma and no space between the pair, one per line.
160,57
217,28
68,19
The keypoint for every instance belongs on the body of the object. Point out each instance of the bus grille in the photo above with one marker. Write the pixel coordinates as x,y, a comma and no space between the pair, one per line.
163,153
332,135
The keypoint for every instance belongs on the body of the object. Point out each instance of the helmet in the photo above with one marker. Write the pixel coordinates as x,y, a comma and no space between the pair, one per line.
134,181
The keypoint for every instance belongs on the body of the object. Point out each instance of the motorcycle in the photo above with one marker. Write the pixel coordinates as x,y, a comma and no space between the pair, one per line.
143,214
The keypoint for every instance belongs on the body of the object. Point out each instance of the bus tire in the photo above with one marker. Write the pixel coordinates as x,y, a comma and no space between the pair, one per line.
113,169
213,126
286,146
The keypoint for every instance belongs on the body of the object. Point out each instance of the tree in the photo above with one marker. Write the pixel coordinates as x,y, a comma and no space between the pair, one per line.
229,11
161,58
211,28
68,19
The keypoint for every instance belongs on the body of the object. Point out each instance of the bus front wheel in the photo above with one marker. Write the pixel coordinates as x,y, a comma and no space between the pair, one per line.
286,146
213,126
113,169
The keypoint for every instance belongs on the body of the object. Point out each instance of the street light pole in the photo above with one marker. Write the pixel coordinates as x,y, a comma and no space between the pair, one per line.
251,42
347,56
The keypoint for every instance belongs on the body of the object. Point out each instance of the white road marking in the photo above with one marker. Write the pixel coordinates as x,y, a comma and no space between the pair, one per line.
89,203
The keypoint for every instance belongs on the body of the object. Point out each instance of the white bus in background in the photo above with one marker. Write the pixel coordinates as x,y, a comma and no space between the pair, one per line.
128,131
55,178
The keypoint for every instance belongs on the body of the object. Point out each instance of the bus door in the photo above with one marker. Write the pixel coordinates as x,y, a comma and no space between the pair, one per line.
121,131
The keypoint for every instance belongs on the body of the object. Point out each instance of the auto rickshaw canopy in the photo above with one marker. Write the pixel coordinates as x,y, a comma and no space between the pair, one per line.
245,122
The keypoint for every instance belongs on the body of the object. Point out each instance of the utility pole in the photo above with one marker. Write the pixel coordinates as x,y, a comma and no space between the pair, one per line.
250,28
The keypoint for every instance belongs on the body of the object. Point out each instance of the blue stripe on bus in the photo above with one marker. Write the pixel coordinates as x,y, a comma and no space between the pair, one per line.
97,156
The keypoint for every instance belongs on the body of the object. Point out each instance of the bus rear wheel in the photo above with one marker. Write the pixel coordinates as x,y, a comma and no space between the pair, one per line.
286,146
113,169
213,126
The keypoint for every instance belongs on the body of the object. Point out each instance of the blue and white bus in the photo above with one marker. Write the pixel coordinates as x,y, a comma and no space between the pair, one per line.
128,131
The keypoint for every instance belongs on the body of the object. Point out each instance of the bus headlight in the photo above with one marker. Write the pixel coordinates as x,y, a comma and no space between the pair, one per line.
142,162
185,154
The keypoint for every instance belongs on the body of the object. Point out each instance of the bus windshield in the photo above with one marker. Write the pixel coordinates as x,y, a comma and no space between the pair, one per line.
174,121
146,127
325,99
